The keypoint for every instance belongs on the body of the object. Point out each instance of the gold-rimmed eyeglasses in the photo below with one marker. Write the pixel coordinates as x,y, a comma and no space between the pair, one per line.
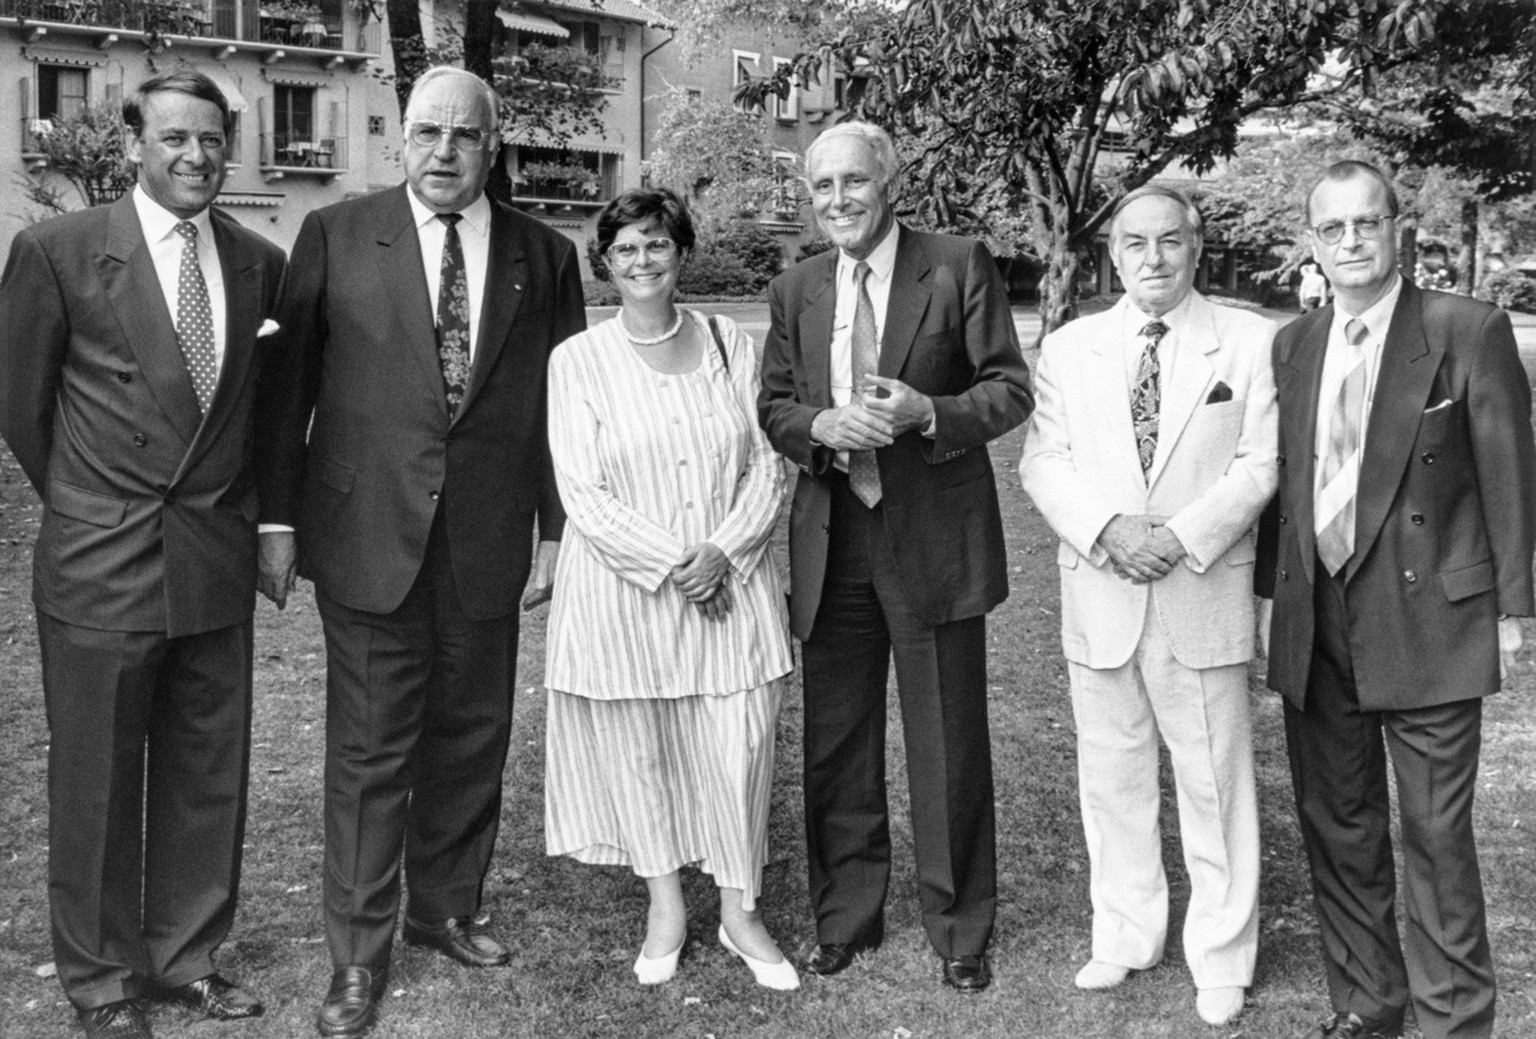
1331,232
425,134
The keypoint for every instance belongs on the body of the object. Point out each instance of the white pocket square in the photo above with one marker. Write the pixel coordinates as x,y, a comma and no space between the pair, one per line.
1438,407
267,328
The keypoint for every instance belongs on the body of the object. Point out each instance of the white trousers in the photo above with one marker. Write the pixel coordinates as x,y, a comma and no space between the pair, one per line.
1204,718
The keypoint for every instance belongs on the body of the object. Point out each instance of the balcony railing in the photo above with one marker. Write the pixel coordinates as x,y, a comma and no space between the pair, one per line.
304,152
600,189
220,19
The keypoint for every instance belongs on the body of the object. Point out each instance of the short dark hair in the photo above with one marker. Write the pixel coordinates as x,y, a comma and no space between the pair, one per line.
646,206
1192,217
180,81
1354,169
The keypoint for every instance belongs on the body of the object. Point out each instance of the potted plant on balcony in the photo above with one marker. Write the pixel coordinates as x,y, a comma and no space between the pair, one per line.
564,179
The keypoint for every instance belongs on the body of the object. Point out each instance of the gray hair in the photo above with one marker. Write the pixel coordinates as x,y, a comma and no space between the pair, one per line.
436,72
1192,218
1353,169
878,140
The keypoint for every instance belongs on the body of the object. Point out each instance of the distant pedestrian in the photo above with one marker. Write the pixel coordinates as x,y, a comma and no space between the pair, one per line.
1314,287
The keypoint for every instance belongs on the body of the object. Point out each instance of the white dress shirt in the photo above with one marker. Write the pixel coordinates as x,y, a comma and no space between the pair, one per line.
1133,343
882,264
1378,318
474,238
165,246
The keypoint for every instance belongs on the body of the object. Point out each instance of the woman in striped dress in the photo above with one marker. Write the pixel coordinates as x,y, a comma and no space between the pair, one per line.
668,638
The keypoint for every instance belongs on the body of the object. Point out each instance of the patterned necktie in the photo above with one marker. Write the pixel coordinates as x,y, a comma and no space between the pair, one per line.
863,471
194,318
1147,395
453,315
1338,472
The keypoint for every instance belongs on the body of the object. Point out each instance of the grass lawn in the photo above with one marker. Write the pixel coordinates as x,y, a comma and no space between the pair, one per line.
574,930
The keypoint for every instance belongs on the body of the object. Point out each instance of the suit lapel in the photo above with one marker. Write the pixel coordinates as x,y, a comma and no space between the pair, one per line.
1299,379
1191,377
1107,371
816,329
403,281
128,275
505,277
1408,367
907,303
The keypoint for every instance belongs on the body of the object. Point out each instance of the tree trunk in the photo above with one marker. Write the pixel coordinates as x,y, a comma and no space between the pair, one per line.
1058,287
479,28
1466,266
409,49
1408,248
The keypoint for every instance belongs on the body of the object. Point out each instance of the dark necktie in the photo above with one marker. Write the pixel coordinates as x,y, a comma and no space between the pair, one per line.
453,315
194,318
863,470
1147,395
1338,473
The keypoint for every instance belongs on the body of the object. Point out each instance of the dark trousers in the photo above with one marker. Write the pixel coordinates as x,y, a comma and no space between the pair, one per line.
941,678
148,754
418,714
1339,771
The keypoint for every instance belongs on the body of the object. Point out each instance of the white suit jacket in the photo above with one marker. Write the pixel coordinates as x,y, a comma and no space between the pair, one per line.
1214,471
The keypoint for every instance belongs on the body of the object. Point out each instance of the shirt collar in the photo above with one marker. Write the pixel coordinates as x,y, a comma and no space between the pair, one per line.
160,223
1377,317
881,259
477,215
1177,318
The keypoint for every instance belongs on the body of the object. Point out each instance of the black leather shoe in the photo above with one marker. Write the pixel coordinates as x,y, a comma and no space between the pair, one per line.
1351,1026
120,1020
966,974
352,1004
464,940
216,997
829,958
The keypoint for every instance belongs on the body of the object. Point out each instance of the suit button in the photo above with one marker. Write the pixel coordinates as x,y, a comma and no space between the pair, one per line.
124,377
1417,519
434,495
1284,576
139,440
1410,576
1280,459
162,488
1284,519
1428,457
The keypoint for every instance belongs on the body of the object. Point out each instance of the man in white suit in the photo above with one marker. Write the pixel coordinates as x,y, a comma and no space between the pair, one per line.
1151,453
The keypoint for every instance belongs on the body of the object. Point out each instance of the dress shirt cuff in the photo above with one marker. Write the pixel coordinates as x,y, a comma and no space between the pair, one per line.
273,528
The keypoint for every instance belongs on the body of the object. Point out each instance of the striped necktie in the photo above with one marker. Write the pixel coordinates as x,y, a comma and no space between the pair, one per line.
1147,395
863,470
1338,473
194,319
453,315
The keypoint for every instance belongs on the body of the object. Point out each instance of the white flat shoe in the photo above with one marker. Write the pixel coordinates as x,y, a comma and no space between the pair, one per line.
779,975
1096,974
1219,1006
661,969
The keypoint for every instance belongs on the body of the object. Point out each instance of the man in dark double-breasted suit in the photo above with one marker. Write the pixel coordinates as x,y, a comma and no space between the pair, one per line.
1398,554
406,445
891,361
128,347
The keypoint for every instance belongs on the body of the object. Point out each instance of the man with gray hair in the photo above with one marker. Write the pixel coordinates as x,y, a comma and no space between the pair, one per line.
1151,453
891,361
404,441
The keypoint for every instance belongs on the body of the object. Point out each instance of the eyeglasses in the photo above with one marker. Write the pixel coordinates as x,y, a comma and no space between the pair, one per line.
1331,232
430,135
625,253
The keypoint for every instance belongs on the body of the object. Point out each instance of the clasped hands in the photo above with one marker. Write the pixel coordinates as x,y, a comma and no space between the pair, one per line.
1141,548
700,575
883,411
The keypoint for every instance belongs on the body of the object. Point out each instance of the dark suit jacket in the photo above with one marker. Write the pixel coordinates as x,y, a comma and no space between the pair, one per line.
1445,514
149,507
358,356
949,334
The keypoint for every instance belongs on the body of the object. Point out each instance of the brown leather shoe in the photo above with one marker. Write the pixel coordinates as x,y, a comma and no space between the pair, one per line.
352,1004
1352,1026
466,941
216,997
121,1020
967,974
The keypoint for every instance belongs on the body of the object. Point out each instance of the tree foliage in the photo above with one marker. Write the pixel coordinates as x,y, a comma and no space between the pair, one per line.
86,151
716,157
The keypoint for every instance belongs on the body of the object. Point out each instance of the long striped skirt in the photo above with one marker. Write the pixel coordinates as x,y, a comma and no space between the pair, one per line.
659,784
